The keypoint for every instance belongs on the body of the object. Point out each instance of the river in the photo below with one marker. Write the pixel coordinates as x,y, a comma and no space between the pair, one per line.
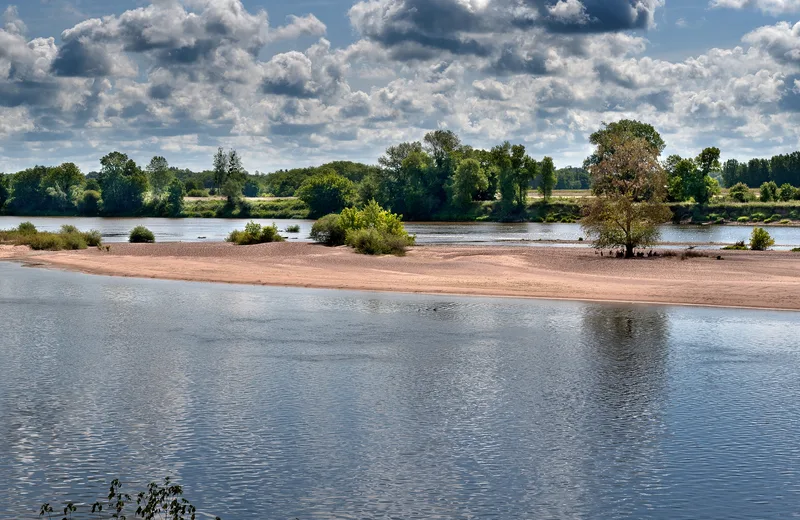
486,233
292,403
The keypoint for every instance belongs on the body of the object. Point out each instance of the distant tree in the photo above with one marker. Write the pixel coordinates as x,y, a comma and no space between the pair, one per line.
468,181
769,192
629,183
548,178
123,184
252,188
698,182
5,190
220,168
327,193
571,178
740,192
27,190
89,203
732,173
175,194
159,175
63,186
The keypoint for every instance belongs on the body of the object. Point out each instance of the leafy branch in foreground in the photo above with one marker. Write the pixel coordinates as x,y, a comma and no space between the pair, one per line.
156,503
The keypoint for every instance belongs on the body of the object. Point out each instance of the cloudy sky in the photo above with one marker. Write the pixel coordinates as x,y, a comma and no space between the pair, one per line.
294,83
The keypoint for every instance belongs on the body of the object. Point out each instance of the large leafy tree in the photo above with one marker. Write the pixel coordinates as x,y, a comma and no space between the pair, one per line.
4,190
469,180
159,175
623,131
63,186
327,193
549,178
630,184
122,183
220,168
27,190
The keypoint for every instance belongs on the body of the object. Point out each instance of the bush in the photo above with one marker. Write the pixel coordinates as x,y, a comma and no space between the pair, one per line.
329,231
769,192
254,233
371,230
761,240
743,219
326,193
787,192
141,235
293,229
26,228
740,192
67,228
757,217
93,238
738,246
197,193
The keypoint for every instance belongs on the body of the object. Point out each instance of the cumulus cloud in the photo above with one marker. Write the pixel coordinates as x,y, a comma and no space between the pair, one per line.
774,7
297,26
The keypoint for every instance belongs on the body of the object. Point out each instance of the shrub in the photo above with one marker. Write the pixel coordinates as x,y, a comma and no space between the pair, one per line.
89,203
760,240
141,235
45,242
329,231
326,193
740,192
738,246
293,229
255,233
757,217
743,219
787,192
93,238
796,250
68,228
785,221
197,193
26,228
769,192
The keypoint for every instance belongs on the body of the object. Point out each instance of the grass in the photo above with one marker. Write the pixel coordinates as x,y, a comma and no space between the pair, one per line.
67,238
293,228
738,246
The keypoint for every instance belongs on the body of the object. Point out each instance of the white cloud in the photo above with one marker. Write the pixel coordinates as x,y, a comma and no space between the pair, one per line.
774,7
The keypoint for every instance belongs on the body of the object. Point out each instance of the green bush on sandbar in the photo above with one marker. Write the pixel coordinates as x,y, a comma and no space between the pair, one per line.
254,233
141,235
371,230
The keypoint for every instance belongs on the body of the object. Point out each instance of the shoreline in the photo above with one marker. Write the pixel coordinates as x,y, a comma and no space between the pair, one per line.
743,280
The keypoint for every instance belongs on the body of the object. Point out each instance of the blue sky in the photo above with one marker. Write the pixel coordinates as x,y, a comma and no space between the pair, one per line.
303,82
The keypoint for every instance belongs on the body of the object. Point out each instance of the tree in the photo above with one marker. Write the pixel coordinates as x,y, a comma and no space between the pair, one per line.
629,183
27,191
327,193
63,186
620,132
440,145
786,193
122,183
4,190
176,191
220,168
769,192
251,188
698,183
159,175
468,181
548,178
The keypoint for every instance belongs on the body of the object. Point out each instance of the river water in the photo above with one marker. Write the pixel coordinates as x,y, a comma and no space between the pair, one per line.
486,233
291,403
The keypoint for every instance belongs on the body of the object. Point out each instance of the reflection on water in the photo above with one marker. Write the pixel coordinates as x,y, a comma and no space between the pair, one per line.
487,233
320,404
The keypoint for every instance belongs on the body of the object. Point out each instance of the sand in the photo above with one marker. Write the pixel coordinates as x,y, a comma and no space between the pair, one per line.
769,280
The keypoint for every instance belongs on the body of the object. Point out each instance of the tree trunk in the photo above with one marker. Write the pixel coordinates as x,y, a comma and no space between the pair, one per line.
629,251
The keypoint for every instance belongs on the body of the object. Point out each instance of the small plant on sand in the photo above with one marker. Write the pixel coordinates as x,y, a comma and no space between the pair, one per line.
738,246
254,233
68,237
293,229
157,502
760,240
141,235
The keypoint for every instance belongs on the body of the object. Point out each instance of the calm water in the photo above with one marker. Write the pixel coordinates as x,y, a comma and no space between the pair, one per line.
279,403
525,234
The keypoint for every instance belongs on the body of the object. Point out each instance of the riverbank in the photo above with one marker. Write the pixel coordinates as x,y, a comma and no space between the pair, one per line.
768,280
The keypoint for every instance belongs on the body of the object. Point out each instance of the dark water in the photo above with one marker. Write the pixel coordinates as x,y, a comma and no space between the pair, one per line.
488,233
279,403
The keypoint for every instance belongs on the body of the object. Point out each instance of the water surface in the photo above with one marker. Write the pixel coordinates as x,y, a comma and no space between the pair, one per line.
289,403
485,233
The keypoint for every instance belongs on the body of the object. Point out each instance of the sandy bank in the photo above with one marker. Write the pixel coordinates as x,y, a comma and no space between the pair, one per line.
742,279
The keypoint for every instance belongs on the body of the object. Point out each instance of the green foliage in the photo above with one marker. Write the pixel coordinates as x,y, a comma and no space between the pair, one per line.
141,235
327,193
123,185
606,138
371,230
68,237
255,233
5,190
743,219
329,230
197,193
573,179
175,194
89,204
787,192
159,176
548,178
769,192
26,228
157,502
468,181
760,240
293,228
738,246
740,192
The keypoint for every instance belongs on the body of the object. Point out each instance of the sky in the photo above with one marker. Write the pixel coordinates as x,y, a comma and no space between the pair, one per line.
299,83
